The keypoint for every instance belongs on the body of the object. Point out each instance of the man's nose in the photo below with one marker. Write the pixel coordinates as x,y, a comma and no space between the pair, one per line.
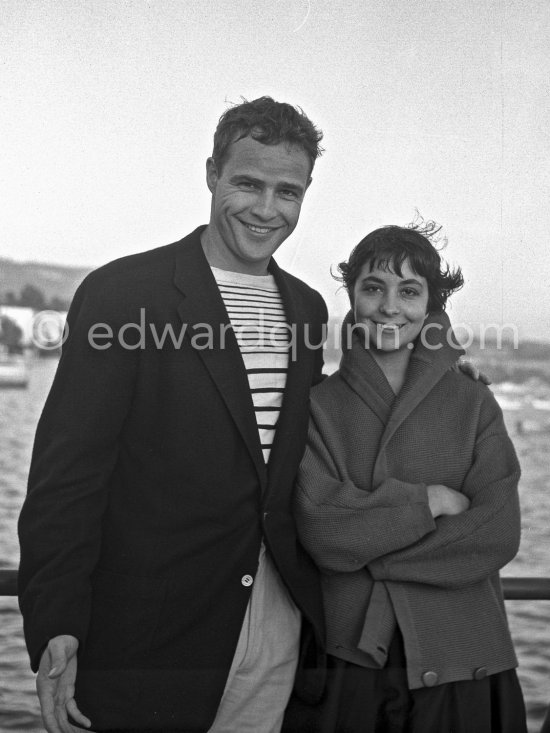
264,206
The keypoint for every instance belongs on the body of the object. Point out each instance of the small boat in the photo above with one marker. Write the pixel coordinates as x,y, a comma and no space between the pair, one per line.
14,371
507,403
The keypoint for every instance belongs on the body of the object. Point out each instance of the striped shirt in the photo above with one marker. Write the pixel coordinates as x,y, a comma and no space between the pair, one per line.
256,312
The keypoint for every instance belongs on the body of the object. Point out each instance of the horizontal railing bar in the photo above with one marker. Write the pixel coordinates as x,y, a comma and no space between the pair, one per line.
515,589
526,589
8,582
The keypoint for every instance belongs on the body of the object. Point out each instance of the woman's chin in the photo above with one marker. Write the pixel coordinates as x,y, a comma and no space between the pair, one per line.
386,345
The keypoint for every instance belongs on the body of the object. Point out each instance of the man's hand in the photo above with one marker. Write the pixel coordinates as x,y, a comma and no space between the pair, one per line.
443,500
470,370
55,686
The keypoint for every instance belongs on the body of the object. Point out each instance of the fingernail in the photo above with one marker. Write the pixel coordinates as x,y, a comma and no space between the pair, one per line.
52,671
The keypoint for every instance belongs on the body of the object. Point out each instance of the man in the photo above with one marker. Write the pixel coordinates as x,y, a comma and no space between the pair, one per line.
161,581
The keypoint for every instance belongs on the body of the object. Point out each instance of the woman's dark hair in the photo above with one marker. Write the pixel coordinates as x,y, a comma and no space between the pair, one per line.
268,122
389,247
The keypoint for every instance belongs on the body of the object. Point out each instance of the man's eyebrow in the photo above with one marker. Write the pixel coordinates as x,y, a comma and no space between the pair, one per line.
244,177
292,186
281,186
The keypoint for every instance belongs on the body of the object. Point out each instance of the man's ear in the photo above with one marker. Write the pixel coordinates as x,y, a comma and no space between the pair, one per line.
309,180
211,174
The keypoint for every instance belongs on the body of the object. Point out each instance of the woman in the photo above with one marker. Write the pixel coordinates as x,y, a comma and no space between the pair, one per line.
407,500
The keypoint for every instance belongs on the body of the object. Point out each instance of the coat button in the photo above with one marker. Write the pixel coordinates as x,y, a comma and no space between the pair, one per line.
480,673
247,580
429,679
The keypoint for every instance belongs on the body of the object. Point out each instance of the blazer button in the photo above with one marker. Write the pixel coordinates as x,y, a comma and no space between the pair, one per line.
247,580
480,673
429,679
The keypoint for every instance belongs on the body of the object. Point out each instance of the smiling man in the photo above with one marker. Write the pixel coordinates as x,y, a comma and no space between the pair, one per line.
161,582
257,194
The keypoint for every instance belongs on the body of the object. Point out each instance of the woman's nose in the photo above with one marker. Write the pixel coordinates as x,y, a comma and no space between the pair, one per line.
390,304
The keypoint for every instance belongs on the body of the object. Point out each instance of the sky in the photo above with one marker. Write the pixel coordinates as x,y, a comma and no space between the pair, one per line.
107,111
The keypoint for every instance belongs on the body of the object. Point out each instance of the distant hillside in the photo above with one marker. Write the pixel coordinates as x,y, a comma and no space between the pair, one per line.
54,281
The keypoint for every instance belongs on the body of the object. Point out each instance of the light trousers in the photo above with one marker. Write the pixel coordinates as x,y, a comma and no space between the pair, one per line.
262,673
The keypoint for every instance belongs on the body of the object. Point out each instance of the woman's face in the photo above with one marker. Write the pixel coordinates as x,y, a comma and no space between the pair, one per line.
392,308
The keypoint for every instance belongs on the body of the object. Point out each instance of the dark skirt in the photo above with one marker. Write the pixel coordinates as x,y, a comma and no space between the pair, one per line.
362,700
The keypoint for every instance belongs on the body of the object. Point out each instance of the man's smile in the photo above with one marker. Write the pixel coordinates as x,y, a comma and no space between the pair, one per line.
258,229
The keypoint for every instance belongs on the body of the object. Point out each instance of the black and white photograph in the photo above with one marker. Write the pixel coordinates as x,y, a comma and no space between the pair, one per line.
274,366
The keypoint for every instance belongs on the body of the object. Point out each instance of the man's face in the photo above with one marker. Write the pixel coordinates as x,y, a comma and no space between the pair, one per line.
256,201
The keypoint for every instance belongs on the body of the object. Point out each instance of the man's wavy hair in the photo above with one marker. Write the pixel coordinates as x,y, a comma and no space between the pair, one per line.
389,247
269,122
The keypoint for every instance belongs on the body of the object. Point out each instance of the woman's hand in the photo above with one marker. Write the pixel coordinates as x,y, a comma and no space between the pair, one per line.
443,500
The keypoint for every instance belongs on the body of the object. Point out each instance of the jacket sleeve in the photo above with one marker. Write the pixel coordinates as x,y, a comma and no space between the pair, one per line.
74,453
468,547
344,526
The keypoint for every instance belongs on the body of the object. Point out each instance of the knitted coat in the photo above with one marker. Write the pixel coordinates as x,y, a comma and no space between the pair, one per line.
362,513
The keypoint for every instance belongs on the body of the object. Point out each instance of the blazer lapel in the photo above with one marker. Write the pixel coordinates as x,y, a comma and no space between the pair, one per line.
207,325
298,379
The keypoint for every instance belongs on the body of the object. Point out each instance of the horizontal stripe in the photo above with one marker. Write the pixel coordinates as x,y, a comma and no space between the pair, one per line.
266,359
257,391
264,371
259,324
270,309
235,292
256,384
256,301
271,339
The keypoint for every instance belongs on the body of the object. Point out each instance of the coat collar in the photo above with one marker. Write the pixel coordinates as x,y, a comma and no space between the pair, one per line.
435,352
362,373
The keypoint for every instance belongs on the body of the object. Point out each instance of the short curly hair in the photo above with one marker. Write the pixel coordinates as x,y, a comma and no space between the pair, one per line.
389,247
269,122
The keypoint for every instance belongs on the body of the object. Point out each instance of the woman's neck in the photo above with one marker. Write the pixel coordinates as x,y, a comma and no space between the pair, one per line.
394,365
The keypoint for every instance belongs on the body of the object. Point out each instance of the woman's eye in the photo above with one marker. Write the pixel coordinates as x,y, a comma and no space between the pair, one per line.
410,292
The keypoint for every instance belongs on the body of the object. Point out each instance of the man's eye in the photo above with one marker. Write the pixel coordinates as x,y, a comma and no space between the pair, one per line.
288,194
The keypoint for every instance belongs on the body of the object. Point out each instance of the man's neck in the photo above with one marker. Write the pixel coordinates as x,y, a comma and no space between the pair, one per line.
218,255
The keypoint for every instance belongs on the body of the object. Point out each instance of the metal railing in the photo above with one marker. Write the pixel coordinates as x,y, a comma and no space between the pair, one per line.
515,589
8,582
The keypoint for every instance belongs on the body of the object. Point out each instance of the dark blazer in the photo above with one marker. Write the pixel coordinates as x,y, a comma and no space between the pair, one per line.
148,494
